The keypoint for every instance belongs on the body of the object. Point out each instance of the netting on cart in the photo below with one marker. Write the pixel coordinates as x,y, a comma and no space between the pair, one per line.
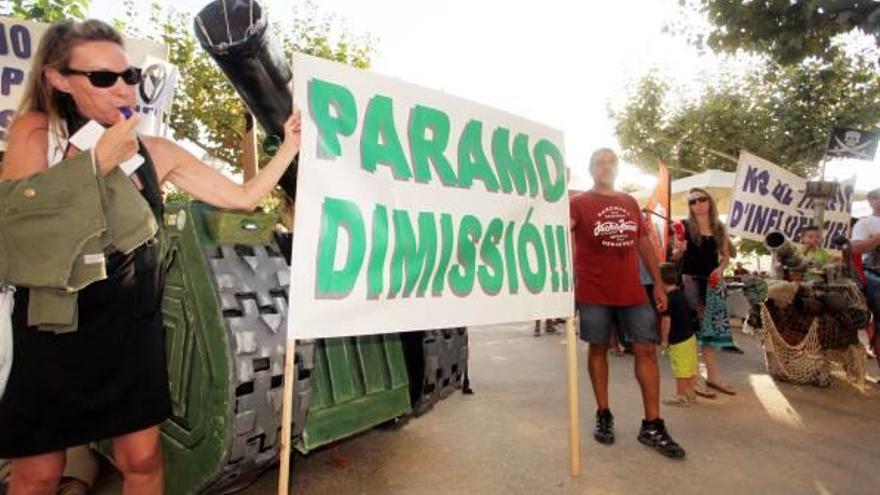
807,342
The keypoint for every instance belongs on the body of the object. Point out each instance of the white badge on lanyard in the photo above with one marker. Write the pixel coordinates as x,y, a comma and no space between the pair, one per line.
87,137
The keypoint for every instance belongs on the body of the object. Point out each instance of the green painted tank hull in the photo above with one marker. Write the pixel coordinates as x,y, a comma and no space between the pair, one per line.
225,311
225,315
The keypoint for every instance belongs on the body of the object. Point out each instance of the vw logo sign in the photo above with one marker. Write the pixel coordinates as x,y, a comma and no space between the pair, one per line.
153,83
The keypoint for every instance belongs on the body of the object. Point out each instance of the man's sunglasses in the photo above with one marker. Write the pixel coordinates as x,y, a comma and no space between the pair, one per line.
701,199
107,78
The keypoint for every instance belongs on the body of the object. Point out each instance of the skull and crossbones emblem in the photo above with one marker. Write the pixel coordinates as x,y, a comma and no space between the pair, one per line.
850,145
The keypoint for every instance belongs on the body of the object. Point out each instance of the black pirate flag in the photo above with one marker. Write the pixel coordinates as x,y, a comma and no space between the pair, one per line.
852,143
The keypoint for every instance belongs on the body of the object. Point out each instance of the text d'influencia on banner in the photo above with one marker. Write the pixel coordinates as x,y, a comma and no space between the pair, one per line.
768,198
419,210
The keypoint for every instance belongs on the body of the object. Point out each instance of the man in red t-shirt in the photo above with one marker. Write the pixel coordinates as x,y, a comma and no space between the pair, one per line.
609,237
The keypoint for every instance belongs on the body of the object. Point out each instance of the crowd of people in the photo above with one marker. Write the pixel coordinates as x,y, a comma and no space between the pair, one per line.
625,295
613,256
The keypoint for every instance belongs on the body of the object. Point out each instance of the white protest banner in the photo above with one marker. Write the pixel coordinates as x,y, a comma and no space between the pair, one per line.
19,41
767,197
418,210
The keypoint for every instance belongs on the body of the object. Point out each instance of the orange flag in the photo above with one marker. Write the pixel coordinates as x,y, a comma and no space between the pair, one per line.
658,211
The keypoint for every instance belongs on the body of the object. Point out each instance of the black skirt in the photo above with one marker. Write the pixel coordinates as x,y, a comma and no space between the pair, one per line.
106,379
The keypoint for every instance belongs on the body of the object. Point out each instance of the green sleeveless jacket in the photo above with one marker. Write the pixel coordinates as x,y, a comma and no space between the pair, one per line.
55,227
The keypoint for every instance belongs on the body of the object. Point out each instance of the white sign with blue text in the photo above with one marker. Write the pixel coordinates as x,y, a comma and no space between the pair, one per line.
768,198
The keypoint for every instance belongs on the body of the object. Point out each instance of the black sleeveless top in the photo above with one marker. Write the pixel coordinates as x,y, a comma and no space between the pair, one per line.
700,259
107,378
145,261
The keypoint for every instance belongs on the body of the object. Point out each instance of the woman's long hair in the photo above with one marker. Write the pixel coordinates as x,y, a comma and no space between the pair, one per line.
54,52
718,230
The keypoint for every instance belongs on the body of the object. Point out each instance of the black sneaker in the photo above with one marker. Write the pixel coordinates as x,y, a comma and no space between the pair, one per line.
603,431
654,434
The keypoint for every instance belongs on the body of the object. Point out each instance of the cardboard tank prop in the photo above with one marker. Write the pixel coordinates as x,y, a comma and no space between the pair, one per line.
226,306
807,317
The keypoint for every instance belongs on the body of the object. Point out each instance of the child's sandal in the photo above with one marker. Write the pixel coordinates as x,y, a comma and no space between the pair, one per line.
677,401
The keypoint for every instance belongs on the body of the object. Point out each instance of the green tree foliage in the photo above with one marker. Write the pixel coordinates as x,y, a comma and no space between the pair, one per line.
787,30
782,113
47,10
206,109
754,247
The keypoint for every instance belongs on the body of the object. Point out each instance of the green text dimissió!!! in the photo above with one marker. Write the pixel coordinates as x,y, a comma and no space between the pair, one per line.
423,264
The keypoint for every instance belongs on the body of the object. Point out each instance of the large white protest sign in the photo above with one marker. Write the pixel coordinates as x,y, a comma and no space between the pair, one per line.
19,41
416,210
767,197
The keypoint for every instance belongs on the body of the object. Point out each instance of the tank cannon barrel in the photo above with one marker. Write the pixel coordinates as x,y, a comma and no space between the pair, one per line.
784,250
235,34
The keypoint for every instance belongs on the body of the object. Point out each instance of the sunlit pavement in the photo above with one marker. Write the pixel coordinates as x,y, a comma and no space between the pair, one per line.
512,438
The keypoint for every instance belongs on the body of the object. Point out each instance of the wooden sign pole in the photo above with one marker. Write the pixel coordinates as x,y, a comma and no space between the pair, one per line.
287,417
250,155
574,423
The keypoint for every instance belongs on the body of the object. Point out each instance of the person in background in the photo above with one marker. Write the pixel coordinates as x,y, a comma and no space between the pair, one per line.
609,236
732,348
80,471
739,270
677,337
811,239
814,254
812,249
621,346
645,274
549,326
704,255
866,241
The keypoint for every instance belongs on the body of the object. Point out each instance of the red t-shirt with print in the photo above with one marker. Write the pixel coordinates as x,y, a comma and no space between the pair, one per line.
606,229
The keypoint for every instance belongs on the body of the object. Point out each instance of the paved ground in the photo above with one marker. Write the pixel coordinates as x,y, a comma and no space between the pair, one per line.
512,438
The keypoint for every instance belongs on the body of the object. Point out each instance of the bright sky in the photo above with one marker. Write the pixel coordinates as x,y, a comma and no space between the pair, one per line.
556,61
